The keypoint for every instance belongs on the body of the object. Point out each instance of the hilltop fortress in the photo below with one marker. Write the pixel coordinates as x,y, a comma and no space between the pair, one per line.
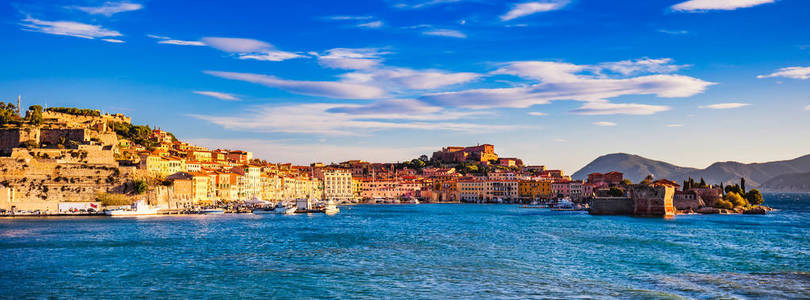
64,156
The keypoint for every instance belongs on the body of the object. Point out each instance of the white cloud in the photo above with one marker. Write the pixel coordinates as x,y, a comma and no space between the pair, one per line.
643,65
528,8
218,95
725,105
350,59
68,28
372,24
704,5
605,108
249,49
236,45
673,32
564,81
790,72
116,41
674,125
807,107
445,33
348,119
537,113
604,124
343,90
110,8
349,18
182,43
395,79
422,4
306,153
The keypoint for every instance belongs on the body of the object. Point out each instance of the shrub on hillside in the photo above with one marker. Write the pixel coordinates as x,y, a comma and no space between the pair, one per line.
109,199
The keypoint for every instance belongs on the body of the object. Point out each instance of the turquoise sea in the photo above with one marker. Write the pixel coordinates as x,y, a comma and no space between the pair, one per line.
412,251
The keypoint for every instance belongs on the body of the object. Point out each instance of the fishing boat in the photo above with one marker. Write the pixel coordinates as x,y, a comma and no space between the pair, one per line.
140,208
280,209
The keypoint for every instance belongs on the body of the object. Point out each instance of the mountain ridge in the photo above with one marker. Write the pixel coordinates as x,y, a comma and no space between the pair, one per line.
636,167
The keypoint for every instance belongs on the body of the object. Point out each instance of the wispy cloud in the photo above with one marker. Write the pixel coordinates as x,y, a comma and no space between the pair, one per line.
110,8
642,66
411,4
705,5
674,125
445,33
68,28
673,32
372,24
564,81
115,41
529,8
349,119
537,114
348,18
305,153
605,108
790,72
249,49
369,78
182,43
169,41
731,105
218,95
350,59
604,124
331,89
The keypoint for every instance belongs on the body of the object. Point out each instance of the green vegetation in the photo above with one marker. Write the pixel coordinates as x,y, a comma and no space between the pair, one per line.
626,182
647,180
691,184
140,186
138,134
8,114
108,199
754,197
75,111
35,118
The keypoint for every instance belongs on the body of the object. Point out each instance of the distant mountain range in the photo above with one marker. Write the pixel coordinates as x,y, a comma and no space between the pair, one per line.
788,175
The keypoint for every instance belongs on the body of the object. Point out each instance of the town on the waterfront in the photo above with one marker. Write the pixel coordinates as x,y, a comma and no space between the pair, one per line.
71,161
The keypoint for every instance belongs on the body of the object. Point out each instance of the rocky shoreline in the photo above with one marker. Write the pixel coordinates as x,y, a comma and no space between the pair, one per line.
757,210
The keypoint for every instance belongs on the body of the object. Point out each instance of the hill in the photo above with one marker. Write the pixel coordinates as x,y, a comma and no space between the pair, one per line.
788,183
636,168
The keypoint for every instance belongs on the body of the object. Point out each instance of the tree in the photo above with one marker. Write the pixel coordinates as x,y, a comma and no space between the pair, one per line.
702,183
736,200
626,182
616,192
647,180
35,118
754,197
742,185
140,186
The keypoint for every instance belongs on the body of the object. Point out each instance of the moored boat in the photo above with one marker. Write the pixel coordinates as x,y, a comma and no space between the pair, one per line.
140,208
212,211
279,209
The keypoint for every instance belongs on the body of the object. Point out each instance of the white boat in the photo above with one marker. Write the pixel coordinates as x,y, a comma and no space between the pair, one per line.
413,200
330,208
212,211
140,208
279,209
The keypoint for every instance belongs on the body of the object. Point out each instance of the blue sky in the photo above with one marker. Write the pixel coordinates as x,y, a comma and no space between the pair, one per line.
553,82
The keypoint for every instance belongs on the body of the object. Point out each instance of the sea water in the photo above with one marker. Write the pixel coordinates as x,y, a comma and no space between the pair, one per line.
412,251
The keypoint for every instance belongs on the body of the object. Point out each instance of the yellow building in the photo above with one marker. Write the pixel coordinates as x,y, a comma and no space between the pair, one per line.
534,189
201,156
